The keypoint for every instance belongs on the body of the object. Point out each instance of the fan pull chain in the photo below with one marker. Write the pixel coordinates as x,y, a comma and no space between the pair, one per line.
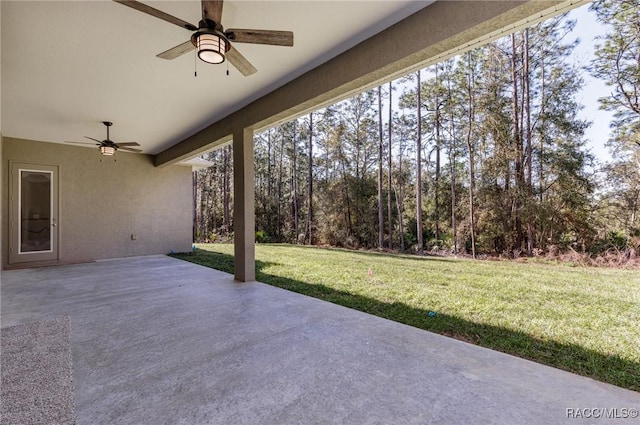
195,64
227,68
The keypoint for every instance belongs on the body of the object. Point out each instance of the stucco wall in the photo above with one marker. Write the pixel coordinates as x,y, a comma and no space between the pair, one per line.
103,202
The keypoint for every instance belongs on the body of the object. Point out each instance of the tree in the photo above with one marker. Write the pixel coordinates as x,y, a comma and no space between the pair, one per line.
419,164
227,171
496,126
516,207
437,135
452,111
309,227
470,69
389,176
529,145
380,151
617,62
294,180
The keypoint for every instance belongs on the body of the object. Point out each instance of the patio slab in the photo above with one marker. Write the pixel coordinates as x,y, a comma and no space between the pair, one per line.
156,340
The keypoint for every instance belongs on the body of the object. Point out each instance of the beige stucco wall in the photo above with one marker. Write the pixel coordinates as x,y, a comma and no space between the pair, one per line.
103,202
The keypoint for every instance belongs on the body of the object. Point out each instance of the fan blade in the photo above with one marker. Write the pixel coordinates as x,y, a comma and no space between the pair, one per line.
91,138
274,38
129,149
80,143
240,62
177,51
212,10
127,144
141,7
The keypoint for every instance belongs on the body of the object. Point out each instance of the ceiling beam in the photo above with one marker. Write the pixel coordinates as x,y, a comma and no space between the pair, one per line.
434,33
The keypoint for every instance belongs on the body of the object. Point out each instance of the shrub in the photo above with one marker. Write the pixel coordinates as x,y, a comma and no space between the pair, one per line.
613,240
262,237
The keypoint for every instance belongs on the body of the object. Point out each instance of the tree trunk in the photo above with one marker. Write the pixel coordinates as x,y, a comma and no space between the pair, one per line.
541,231
419,169
211,220
347,216
380,149
310,183
196,190
517,149
390,173
294,183
227,189
279,188
470,94
529,150
268,203
436,199
452,166
400,194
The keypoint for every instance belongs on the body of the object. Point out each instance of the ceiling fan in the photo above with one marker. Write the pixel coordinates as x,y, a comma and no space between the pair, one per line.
109,147
211,41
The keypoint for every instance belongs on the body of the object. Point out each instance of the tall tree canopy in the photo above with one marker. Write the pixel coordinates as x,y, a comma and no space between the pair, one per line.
617,63
481,153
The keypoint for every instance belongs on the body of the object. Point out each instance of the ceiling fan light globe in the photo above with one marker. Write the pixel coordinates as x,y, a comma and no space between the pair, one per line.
210,56
211,47
107,150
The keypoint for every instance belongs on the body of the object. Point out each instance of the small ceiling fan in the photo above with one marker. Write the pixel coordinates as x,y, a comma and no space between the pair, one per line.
109,147
211,41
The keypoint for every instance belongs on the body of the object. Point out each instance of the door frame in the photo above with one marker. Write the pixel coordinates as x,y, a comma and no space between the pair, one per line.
15,254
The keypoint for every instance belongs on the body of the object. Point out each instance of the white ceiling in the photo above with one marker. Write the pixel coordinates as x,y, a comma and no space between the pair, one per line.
68,65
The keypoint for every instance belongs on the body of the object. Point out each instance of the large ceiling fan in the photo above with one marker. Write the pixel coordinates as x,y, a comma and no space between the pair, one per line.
210,39
109,147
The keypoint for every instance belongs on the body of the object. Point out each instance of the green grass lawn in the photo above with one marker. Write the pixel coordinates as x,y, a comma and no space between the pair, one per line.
584,320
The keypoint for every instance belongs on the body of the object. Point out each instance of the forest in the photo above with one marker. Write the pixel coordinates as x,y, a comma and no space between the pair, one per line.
482,154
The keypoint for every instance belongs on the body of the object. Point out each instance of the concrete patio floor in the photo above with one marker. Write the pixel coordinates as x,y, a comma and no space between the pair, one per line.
157,340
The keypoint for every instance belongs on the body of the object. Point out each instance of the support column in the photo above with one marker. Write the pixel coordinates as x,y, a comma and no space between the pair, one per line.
244,220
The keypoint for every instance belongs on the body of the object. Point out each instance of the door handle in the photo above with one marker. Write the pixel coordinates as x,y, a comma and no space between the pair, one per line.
53,222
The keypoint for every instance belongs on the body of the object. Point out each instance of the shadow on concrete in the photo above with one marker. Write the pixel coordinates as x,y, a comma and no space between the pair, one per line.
572,358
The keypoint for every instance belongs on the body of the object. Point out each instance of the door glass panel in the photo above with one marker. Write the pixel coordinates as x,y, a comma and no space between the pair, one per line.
35,211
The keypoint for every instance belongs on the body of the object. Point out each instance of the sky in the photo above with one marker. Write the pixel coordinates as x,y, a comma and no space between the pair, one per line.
587,28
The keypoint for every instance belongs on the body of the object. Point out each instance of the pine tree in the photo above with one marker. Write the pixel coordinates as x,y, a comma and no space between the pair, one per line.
617,62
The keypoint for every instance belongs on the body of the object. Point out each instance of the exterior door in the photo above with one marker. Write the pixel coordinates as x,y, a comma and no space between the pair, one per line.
33,218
